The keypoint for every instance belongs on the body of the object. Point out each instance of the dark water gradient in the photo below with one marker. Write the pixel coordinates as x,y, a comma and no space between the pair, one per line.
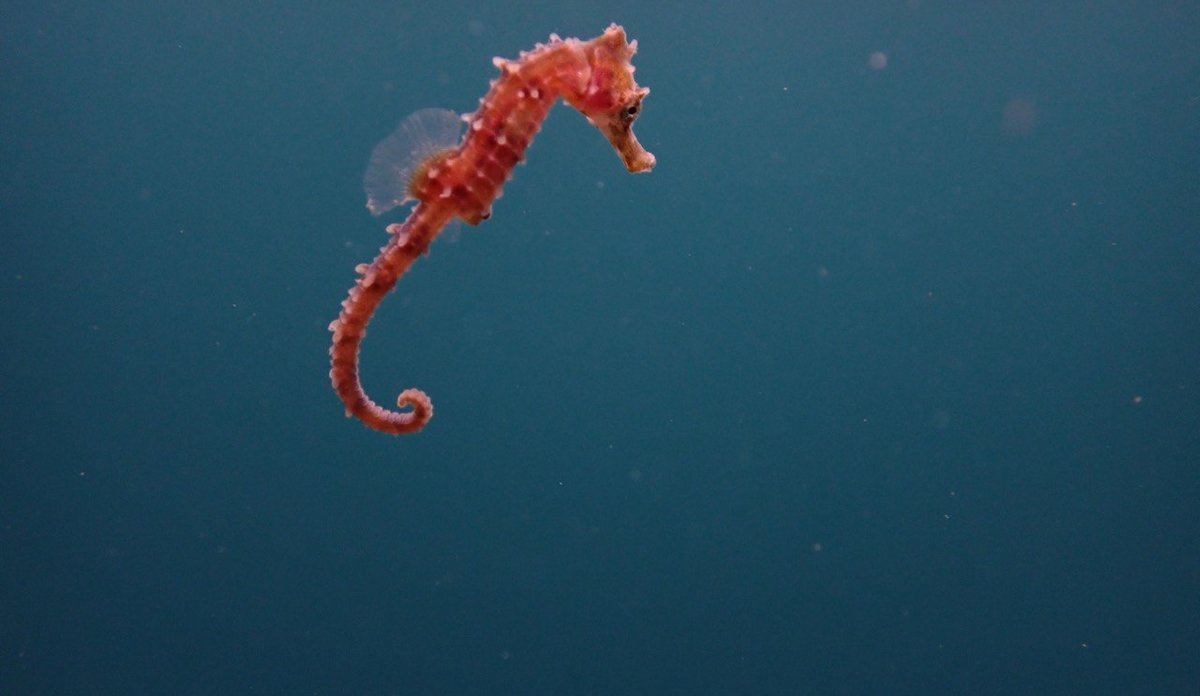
884,381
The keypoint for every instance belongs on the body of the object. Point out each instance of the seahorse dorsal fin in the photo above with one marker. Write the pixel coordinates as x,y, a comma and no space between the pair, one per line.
403,154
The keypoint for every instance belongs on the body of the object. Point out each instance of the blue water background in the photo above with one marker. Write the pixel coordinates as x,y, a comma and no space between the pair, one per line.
886,379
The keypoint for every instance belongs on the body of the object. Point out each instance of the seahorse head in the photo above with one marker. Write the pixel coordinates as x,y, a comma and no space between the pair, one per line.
612,100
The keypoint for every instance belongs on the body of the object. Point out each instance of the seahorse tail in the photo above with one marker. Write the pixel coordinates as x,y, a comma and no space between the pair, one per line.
350,328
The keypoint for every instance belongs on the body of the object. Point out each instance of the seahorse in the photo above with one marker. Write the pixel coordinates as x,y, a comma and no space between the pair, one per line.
595,77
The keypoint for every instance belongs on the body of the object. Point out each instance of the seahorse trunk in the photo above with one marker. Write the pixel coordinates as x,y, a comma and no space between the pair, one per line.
595,77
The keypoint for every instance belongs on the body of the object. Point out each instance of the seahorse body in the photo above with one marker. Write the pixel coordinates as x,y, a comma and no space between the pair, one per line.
595,77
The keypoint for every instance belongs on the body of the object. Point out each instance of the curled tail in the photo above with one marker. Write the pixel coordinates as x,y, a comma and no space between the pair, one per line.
377,279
